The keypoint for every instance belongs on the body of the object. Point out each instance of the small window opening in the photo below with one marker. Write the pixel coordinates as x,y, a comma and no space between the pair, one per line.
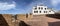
45,11
41,8
35,8
40,11
45,8
49,11
35,11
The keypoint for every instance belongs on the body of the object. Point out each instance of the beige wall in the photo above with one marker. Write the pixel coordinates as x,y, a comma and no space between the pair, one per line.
23,17
41,19
8,18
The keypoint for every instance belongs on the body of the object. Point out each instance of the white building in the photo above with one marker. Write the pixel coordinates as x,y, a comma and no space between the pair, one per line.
37,10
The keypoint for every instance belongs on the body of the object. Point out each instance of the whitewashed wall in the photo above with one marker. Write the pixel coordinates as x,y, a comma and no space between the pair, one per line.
42,11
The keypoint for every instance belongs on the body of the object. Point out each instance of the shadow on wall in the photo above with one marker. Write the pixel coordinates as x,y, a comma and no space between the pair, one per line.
3,21
22,23
57,16
54,23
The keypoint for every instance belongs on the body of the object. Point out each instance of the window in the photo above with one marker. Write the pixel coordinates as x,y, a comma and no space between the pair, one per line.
45,11
35,11
49,11
40,11
45,8
41,8
35,8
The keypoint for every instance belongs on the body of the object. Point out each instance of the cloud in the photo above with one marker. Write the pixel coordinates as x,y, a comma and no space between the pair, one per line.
55,2
7,6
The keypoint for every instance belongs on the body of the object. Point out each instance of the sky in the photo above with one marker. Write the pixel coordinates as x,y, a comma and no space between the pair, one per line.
25,6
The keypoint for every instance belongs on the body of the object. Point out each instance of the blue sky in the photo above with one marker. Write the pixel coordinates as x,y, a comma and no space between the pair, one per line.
25,6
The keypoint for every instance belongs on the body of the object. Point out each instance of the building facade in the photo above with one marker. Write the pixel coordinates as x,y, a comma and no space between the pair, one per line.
37,10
